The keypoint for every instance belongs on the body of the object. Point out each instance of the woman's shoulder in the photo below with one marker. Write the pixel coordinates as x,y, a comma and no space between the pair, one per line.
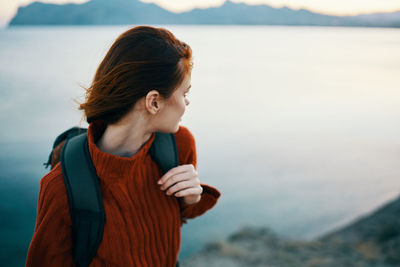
52,185
184,135
186,145
184,138
53,199
53,177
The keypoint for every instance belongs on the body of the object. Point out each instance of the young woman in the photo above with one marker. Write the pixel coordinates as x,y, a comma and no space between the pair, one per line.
139,88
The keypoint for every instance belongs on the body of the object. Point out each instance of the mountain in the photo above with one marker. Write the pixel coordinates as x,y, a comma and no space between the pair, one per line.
118,12
371,241
94,12
239,13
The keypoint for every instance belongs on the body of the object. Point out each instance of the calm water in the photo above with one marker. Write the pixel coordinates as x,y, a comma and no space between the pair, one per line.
299,127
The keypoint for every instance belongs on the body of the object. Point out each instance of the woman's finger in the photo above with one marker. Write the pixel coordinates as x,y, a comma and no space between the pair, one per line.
190,191
174,171
178,178
181,186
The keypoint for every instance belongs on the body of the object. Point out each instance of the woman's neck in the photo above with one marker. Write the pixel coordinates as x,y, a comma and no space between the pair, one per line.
125,138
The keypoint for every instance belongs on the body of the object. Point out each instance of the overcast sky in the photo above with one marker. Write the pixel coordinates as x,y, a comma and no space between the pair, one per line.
336,7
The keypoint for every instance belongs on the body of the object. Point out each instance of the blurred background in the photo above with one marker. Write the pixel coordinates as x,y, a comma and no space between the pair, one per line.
294,107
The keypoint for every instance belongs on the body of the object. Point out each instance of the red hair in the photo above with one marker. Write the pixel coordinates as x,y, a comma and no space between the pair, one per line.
141,59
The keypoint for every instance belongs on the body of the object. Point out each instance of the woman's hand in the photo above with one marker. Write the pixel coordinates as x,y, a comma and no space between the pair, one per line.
183,181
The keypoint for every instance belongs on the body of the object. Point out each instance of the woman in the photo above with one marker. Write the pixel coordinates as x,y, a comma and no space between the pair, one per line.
139,88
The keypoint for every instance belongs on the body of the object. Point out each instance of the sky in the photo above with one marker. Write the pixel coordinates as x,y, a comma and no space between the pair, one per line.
8,8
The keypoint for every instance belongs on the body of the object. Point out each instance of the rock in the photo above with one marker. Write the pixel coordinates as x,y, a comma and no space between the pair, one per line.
372,240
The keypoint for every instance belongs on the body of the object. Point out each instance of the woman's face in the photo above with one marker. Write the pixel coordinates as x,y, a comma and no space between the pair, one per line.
174,107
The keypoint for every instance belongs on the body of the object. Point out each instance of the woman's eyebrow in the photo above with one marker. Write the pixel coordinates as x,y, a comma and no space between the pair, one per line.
189,87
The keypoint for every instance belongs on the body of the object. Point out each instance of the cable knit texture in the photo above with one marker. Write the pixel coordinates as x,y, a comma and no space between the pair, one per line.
142,226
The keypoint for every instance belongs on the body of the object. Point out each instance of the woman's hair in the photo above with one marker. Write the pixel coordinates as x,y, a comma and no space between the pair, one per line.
142,59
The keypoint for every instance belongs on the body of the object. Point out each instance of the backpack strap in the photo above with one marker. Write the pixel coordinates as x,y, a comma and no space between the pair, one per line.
164,152
71,132
85,201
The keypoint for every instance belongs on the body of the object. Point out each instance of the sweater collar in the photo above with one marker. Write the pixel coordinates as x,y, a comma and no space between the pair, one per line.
109,166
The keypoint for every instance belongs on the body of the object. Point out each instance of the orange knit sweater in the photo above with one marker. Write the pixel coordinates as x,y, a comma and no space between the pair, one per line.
142,226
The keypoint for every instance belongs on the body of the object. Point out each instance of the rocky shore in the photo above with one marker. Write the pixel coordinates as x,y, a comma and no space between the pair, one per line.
372,240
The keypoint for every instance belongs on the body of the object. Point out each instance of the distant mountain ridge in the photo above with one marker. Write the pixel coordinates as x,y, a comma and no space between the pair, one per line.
120,12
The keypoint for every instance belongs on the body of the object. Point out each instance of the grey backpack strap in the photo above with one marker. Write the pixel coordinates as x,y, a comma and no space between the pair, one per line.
85,201
164,151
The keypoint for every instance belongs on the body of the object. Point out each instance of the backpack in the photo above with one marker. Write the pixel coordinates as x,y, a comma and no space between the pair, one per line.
83,189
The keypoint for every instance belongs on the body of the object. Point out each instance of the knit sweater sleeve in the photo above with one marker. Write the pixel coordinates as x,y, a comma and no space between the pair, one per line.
51,244
187,155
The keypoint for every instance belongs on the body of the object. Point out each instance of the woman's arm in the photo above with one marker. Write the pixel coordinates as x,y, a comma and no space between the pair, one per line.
187,156
51,244
208,200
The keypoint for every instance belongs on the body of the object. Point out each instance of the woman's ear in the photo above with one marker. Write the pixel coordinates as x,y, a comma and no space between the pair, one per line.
153,101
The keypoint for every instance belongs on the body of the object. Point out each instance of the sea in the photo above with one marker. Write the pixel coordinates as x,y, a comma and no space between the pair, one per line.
298,127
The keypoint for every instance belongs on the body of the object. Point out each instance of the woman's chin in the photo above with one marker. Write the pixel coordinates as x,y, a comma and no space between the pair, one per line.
171,130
